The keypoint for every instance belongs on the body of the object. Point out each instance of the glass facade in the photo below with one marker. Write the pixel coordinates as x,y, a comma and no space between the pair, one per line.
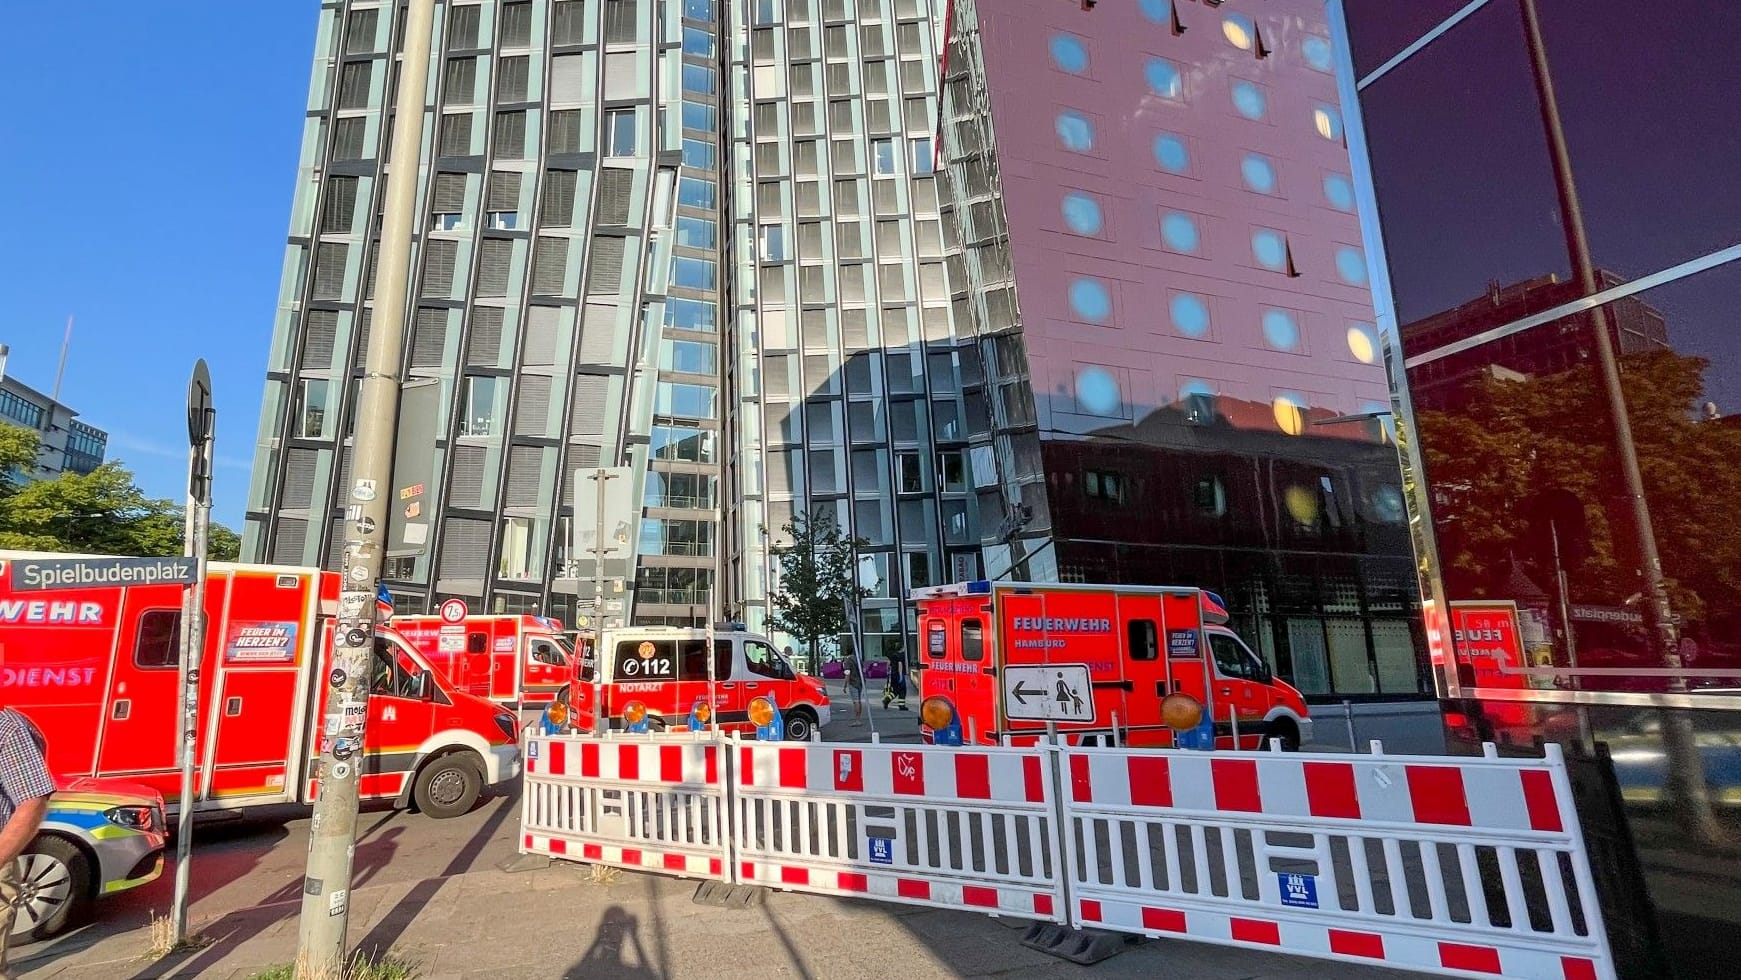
1559,257
701,240
849,373
1161,267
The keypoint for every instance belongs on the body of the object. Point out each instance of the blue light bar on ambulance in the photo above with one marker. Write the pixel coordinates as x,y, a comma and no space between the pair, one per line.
979,587
1214,610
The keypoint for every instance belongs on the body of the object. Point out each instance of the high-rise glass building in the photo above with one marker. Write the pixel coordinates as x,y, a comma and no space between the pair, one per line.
1557,255
698,239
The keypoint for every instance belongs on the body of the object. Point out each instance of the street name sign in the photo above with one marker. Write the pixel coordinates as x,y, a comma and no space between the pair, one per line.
37,574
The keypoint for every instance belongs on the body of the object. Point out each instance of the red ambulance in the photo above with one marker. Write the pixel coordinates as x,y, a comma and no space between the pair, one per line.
516,661
97,670
656,675
1007,658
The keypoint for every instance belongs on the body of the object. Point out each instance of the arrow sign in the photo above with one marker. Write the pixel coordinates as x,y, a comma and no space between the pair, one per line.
1048,692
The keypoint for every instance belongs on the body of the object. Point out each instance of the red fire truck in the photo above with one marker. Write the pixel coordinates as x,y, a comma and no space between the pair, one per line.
97,670
517,661
1008,658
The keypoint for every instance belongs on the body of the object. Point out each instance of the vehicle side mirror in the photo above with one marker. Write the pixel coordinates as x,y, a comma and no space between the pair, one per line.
425,686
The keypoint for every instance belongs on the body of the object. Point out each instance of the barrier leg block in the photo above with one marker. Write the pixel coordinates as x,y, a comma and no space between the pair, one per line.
728,896
525,862
1084,946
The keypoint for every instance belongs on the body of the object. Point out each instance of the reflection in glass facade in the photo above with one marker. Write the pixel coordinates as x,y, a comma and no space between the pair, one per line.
1161,270
1561,260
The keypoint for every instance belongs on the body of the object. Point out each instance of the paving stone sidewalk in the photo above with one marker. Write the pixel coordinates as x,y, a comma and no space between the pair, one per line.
563,921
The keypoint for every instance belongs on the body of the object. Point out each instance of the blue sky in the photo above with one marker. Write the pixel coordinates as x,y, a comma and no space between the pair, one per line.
149,172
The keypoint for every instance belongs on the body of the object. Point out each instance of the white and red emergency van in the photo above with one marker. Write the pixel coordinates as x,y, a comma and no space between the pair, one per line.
1007,658
657,675
97,669
516,661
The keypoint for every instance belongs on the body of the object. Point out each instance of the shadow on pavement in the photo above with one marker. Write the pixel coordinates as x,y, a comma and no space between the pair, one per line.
392,925
285,902
618,933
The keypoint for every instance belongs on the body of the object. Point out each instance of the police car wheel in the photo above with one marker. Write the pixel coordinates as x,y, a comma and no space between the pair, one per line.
448,786
55,889
800,725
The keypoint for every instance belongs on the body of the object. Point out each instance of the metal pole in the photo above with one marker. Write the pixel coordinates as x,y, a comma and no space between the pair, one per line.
600,724
1659,615
712,672
1685,782
333,830
193,632
1565,602
66,344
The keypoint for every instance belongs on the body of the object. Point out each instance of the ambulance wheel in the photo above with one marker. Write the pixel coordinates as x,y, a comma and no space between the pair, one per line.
448,786
1284,731
800,725
55,889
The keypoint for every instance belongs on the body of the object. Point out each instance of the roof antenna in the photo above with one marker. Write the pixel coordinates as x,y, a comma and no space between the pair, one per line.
60,372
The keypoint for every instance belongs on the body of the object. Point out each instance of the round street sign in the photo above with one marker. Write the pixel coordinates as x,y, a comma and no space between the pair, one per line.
453,611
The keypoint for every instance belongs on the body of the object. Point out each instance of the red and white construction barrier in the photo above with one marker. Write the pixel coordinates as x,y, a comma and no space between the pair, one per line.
1462,866
968,828
651,806
1456,866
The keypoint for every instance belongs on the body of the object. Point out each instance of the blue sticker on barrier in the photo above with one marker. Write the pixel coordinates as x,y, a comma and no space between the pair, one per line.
882,850
1299,891
531,750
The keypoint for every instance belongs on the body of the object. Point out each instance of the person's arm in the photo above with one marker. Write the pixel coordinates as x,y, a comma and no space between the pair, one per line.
25,779
21,829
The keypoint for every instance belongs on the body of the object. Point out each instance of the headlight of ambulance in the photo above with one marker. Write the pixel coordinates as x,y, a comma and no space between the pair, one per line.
506,723
141,818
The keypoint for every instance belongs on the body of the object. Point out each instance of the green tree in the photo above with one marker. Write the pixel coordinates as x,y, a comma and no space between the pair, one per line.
818,580
101,512
1494,463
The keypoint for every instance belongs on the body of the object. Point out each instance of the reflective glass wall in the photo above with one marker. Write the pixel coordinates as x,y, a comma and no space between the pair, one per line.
1551,181
1162,263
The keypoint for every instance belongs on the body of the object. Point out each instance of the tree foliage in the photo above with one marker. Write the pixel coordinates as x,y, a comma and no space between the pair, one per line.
102,512
1521,453
818,579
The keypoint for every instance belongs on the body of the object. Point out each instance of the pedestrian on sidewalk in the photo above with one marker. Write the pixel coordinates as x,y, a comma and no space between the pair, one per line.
854,685
25,785
895,690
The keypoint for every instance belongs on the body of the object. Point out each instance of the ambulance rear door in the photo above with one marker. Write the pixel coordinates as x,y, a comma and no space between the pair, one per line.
1190,669
1140,629
962,643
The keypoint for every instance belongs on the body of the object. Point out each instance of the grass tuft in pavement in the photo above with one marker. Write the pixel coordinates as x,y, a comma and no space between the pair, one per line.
163,942
360,968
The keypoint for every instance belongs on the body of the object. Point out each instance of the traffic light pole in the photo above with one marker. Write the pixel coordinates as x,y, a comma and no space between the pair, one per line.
333,833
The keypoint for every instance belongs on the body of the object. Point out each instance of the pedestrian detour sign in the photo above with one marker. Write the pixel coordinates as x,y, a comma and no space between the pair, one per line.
1050,692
